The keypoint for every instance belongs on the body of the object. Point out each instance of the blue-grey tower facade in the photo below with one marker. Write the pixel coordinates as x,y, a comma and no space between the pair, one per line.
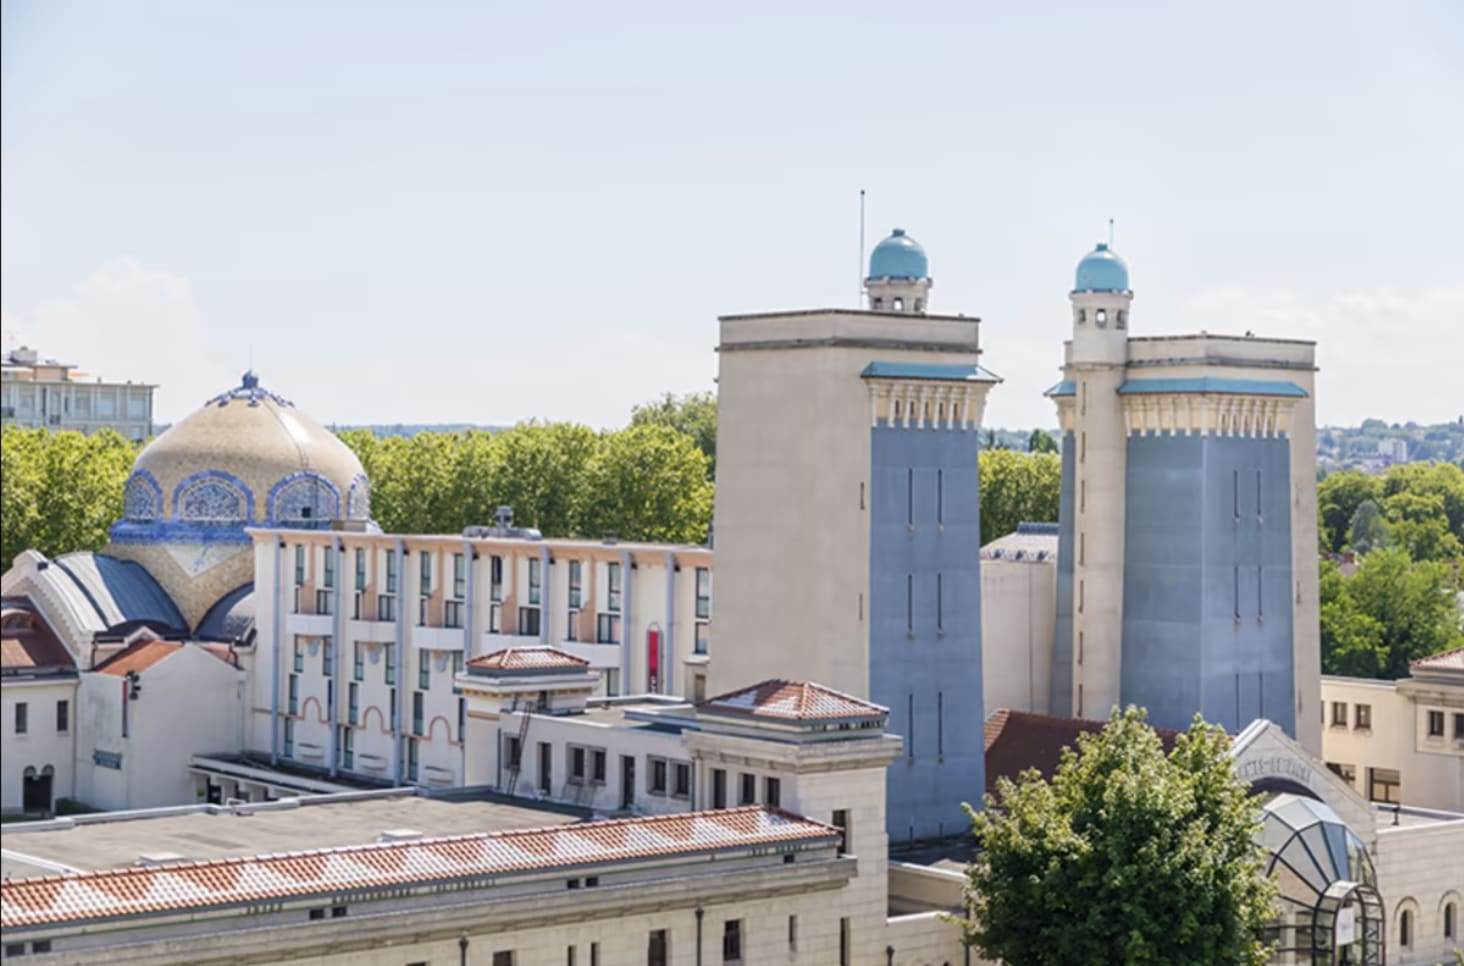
848,521
1186,552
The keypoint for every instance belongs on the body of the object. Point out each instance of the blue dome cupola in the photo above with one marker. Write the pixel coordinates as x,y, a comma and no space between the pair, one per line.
899,275
1101,270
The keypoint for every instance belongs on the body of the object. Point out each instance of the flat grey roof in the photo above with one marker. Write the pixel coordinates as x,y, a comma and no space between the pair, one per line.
113,844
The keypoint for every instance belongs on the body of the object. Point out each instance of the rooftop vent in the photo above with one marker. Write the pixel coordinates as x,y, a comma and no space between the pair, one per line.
503,517
159,858
400,835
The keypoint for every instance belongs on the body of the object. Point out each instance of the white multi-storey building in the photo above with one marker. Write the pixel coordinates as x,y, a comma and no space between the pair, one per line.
50,394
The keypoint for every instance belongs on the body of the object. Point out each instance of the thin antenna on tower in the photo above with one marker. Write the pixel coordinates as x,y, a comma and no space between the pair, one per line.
1110,233
861,249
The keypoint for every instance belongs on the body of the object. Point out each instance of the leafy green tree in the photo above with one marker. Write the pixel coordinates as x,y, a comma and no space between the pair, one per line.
1419,524
1338,497
1368,530
1016,487
60,492
1041,442
648,483
1126,856
540,471
1390,612
694,414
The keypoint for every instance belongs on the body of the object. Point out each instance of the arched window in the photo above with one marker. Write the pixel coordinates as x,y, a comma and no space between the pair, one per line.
1450,910
358,502
304,500
1405,929
211,499
142,500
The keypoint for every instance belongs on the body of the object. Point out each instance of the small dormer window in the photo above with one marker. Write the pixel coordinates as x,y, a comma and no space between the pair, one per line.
1101,317
898,304
1082,316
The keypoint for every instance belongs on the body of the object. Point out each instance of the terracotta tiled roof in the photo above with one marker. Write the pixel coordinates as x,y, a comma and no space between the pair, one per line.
198,885
29,644
792,700
1450,660
539,658
1018,740
138,657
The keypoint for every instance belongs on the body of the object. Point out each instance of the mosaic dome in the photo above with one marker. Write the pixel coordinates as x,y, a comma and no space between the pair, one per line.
247,458
898,256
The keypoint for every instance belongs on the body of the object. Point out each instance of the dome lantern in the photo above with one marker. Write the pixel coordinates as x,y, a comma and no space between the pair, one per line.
899,275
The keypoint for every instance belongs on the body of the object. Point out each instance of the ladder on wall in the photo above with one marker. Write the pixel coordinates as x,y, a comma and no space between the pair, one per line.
515,764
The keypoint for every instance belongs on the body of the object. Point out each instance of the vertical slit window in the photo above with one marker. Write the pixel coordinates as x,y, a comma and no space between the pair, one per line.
940,496
1237,592
1080,701
1080,647
910,497
1258,495
940,602
940,722
1080,596
910,726
910,603
1083,447
1082,547
1082,496
1235,494
1260,606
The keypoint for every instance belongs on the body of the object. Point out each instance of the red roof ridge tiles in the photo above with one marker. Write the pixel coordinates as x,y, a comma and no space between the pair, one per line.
792,700
138,657
1451,659
537,657
149,889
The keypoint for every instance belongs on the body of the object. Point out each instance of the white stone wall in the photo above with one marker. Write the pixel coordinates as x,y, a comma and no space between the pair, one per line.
42,744
1420,869
1018,629
1431,769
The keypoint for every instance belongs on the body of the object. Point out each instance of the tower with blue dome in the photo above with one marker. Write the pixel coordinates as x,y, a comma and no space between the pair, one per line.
1186,577
899,276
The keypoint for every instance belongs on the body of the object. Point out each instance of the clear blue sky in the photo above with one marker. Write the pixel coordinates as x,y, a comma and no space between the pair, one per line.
488,212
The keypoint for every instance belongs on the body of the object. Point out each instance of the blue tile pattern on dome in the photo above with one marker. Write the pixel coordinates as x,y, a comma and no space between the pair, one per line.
358,502
142,500
1101,270
213,497
304,499
898,256
249,390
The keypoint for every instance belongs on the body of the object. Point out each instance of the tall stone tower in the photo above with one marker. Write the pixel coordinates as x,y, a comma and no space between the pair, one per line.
1187,573
848,521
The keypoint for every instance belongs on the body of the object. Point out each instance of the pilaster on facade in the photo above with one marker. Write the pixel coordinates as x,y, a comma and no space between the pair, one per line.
1189,414
903,396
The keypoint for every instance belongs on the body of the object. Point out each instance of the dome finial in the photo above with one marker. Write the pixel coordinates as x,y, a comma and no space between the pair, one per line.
250,380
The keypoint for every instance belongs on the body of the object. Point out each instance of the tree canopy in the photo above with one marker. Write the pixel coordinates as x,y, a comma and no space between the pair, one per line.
1390,612
1422,505
60,492
694,414
1015,487
1126,856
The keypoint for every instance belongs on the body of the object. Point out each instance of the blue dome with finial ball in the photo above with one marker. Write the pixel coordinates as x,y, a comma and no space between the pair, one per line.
1101,270
898,256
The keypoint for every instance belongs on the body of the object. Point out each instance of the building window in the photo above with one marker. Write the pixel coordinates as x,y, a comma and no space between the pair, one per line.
719,788
1362,717
792,934
289,738
576,585
845,946
1348,773
681,780
294,695
732,941
528,621
299,657
411,759
656,775
703,593
390,664
353,702
576,763
22,718
1384,785
572,626
607,629
424,670
1405,929
329,573
391,573
612,596
299,565
327,657
452,613
703,637
63,717
503,957
656,949
1435,724
495,577
417,714
462,718
348,748
360,568
459,577
1339,714
597,766
1458,726
840,821
773,792
322,601
747,794
1450,910
358,662
426,565
536,578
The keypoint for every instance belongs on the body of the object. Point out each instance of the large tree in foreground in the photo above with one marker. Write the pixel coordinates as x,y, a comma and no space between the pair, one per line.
1126,856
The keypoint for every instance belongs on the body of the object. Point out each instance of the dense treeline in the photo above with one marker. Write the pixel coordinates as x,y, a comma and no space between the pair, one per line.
1400,600
59,491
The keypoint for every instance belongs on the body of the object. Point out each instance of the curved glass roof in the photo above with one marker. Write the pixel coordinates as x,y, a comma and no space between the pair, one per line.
1311,848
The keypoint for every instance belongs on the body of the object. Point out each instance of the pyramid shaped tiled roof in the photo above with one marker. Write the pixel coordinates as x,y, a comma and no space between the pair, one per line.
1449,660
537,658
792,701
